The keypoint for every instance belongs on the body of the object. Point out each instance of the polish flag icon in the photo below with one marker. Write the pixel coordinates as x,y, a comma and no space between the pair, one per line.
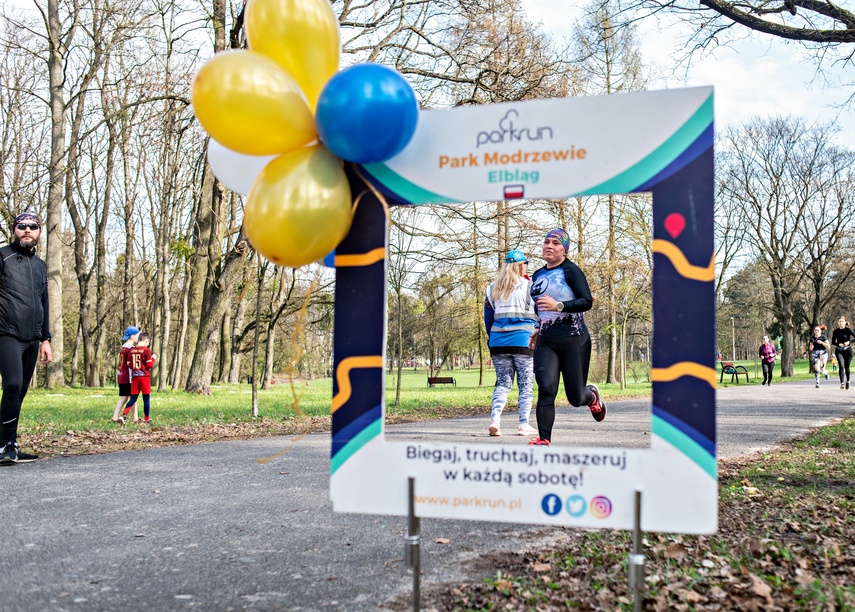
514,192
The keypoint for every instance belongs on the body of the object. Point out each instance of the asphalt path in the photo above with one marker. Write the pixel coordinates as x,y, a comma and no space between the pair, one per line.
209,527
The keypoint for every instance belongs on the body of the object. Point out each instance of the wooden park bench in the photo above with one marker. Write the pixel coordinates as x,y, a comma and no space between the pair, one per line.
727,367
441,380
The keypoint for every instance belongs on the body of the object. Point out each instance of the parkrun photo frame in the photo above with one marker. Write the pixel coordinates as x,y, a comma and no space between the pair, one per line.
659,142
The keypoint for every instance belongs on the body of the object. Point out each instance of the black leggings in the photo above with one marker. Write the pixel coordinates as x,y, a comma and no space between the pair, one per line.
568,357
17,364
768,368
844,358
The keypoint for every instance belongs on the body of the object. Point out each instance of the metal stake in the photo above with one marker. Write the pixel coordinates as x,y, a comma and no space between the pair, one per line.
412,543
636,559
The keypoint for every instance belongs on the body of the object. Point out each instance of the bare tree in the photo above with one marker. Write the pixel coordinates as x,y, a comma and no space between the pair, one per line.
608,61
781,173
819,23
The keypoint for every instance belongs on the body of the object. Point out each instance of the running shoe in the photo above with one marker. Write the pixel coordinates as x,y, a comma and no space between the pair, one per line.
494,429
842,386
538,442
597,406
25,457
526,430
9,454
147,419
847,384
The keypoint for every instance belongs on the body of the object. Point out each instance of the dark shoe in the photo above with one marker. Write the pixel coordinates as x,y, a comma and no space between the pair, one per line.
26,457
539,442
847,384
9,455
597,406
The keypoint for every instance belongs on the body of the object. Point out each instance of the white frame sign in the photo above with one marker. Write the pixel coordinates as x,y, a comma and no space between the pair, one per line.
659,142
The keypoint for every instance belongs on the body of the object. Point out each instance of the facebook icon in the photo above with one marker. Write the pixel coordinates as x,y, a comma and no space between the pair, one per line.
551,504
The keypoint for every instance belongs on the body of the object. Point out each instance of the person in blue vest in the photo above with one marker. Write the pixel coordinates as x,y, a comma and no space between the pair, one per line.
561,339
509,319
24,329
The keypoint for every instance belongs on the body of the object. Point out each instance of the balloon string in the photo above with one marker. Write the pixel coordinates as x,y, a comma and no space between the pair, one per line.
376,193
302,316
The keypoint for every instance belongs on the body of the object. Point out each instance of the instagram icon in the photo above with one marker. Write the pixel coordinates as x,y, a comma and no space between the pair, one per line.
601,507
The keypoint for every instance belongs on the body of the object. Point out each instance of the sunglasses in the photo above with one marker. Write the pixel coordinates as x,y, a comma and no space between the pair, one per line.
28,226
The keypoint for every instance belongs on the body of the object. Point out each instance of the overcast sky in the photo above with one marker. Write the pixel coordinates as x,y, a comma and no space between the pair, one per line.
763,76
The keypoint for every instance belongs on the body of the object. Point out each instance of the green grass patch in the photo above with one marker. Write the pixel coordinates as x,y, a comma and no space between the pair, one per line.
87,409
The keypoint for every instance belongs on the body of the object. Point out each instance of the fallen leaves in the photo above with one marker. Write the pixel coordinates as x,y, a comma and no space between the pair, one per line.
774,542
134,437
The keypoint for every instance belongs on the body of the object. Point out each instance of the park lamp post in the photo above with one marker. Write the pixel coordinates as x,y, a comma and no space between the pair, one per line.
733,338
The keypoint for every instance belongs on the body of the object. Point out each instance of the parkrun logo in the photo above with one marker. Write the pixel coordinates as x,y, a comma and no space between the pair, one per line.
509,132
576,506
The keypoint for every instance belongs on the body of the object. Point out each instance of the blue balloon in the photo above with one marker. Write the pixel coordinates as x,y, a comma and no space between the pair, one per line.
367,113
329,260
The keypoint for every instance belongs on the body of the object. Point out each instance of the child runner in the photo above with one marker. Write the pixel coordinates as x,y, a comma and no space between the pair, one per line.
140,362
842,338
818,346
123,375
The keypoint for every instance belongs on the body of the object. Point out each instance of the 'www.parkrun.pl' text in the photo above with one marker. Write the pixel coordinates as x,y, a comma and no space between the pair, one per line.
527,457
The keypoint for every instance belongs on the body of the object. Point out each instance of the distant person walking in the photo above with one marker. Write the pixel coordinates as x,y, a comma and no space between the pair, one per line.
818,346
841,339
24,328
509,318
768,354
140,362
561,342
123,374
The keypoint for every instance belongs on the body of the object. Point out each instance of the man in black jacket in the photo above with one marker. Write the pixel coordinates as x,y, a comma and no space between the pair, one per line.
24,330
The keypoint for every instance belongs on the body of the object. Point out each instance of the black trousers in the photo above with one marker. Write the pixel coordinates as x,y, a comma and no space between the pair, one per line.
844,358
17,364
568,357
768,368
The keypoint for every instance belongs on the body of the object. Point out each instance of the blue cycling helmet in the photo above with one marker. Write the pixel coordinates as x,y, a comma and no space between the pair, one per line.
515,257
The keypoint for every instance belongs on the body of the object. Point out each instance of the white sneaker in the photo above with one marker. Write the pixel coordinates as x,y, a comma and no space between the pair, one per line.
494,429
527,430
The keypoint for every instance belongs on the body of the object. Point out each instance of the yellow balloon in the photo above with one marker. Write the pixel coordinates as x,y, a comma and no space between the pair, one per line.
248,104
300,35
299,207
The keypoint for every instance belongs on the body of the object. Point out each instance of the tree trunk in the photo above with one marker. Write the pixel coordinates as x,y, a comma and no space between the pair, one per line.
217,299
237,353
225,346
610,294
268,358
53,223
